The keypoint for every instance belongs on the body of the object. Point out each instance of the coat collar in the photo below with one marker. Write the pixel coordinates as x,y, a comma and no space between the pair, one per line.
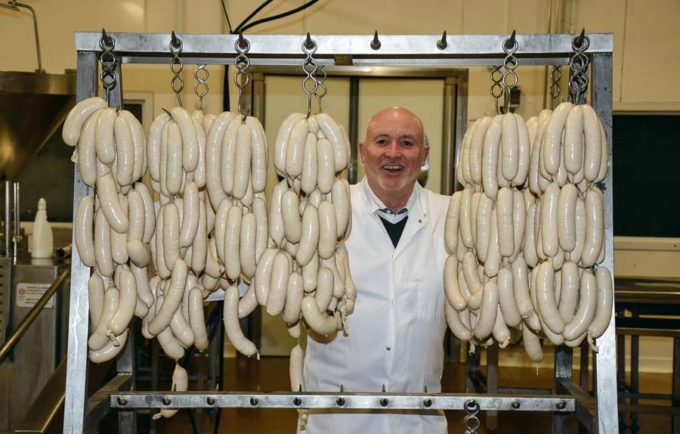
417,206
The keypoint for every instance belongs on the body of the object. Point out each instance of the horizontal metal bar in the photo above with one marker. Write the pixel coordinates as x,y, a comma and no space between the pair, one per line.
355,401
206,46
649,409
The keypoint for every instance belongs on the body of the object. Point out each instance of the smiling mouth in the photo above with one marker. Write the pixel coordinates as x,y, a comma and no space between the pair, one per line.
393,167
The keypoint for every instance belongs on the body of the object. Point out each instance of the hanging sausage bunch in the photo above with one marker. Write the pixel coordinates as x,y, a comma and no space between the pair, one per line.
525,232
114,227
308,268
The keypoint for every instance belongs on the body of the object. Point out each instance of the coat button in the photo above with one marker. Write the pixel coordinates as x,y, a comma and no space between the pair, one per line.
388,348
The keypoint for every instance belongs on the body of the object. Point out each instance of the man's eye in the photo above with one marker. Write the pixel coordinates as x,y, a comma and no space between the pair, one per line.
407,143
381,141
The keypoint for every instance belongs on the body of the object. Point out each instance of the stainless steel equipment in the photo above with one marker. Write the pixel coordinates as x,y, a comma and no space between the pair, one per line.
32,361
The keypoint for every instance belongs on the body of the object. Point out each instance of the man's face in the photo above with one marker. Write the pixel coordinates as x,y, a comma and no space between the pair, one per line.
393,152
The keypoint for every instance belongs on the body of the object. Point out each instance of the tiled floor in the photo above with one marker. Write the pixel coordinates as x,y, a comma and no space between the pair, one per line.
271,374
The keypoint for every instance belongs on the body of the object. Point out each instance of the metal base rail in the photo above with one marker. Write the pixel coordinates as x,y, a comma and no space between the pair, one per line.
345,51
354,401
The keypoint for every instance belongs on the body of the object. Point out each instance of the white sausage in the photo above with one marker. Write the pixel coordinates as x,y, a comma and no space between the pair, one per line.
490,157
549,230
586,307
154,143
451,223
84,230
172,298
232,325
110,205
232,241
592,147
189,138
545,296
295,149
279,280
281,142
605,299
325,165
594,227
174,170
242,159
550,147
509,150
573,140
247,245
213,158
327,230
476,144
171,227
523,152
487,311
102,244
341,204
309,174
87,153
506,297
258,175
483,224
291,216
78,116
334,134
295,292
566,217
504,214
569,291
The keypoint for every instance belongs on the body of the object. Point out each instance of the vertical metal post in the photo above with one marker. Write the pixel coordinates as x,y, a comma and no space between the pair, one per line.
257,93
76,369
8,216
448,136
563,372
492,384
675,393
353,169
16,238
605,360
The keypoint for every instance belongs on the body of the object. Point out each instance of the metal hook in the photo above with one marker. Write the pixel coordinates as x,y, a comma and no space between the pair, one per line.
242,43
309,44
375,43
175,41
511,41
106,38
442,44
579,39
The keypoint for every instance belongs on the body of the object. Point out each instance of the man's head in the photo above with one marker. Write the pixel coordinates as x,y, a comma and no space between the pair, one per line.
393,152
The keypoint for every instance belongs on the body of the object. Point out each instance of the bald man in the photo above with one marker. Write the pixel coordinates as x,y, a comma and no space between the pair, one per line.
397,255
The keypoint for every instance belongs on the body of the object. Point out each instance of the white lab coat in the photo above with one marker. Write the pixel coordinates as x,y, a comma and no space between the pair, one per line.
396,331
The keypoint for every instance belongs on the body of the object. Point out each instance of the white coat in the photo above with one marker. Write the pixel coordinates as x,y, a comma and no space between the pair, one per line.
396,331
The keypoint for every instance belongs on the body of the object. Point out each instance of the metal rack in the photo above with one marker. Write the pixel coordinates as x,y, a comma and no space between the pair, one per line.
598,415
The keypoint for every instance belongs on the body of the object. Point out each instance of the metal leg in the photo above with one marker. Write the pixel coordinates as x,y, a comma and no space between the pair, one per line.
676,385
127,420
605,360
76,368
492,384
563,372
634,381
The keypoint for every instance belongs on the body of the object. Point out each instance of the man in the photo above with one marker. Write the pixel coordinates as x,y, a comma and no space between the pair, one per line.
397,256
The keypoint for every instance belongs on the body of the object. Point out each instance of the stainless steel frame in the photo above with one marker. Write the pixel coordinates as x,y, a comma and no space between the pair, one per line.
396,50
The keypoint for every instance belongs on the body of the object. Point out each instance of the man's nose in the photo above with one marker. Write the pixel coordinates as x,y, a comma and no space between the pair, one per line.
393,149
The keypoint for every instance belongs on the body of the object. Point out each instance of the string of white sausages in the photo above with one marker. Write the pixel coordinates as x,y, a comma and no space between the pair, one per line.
526,233
112,229
309,219
210,227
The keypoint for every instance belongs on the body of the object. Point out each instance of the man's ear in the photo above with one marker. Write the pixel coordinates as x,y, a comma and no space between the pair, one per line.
426,152
362,150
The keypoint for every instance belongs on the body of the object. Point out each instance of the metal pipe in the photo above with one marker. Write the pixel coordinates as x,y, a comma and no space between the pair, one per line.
13,4
32,315
8,217
16,237
353,169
